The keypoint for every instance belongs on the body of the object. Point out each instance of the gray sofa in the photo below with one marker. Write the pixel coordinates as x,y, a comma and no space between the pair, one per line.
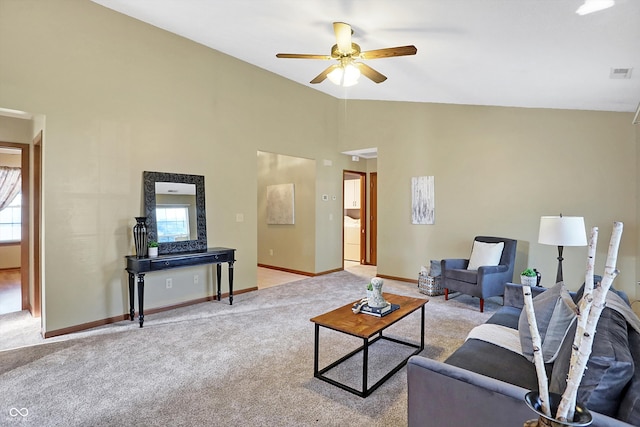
484,384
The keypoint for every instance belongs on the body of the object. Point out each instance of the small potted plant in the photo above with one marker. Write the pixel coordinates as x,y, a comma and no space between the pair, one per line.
528,277
153,249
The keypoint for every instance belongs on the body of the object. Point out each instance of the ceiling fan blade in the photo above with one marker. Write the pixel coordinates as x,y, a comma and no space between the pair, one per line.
370,73
301,56
389,52
343,36
323,75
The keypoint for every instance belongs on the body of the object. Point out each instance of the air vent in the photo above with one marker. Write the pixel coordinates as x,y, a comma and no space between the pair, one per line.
620,73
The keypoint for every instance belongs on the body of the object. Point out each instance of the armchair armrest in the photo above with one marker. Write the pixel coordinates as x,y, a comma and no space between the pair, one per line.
454,263
492,269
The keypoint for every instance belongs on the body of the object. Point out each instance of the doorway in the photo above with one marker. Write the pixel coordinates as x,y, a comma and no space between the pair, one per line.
15,278
354,217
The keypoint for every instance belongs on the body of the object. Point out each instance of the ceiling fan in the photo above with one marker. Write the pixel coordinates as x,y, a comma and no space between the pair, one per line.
347,71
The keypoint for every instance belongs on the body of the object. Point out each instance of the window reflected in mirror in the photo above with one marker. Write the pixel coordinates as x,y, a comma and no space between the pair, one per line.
176,217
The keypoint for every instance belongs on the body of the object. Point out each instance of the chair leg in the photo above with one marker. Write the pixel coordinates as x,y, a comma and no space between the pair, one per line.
481,305
446,294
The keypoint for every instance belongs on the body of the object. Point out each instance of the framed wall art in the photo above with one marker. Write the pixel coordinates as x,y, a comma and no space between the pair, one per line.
280,204
422,200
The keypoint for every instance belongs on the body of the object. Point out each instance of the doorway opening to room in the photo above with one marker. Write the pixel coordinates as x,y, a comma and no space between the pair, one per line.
286,217
354,218
14,227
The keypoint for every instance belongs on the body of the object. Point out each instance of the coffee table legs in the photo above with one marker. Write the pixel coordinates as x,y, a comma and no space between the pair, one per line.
366,391
365,368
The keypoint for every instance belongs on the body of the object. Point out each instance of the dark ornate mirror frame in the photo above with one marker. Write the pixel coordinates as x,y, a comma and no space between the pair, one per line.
149,181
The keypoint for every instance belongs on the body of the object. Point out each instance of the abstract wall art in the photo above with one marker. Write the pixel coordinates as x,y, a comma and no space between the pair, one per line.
280,204
422,200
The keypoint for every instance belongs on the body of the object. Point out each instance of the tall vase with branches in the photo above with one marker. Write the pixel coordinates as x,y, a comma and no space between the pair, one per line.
588,312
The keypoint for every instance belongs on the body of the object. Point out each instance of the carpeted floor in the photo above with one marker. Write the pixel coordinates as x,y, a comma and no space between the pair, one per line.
213,364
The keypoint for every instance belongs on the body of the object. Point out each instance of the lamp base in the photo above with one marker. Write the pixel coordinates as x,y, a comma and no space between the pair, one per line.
559,273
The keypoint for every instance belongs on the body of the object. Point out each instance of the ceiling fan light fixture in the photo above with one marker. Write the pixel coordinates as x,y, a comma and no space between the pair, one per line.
591,6
345,75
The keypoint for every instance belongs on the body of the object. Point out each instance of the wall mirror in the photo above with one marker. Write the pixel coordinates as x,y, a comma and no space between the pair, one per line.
175,209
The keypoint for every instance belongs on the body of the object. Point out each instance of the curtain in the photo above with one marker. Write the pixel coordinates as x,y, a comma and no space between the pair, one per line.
10,185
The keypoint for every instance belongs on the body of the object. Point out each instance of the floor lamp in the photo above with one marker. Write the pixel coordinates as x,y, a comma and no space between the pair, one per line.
562,231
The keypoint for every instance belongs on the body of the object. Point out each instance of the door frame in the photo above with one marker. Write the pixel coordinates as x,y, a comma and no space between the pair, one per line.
36,308
363,213
373,218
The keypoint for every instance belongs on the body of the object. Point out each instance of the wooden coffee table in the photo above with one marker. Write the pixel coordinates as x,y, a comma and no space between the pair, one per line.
369,328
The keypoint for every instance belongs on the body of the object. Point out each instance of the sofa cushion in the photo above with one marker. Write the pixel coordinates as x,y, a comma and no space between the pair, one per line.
609,369
496,362
506,316
484,253
629,410
554,310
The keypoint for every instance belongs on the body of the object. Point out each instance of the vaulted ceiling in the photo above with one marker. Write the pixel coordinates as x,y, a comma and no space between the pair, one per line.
523,53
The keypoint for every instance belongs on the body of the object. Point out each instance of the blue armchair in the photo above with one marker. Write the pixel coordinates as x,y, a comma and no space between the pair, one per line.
486,281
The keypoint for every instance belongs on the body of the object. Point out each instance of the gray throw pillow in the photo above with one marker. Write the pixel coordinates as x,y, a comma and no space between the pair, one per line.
610,366
629,410
554,310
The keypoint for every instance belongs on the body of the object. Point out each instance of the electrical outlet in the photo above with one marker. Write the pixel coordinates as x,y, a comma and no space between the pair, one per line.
169,283
271,252
195,279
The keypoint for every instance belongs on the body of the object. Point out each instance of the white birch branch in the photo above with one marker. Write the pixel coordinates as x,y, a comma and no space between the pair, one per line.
566,408
584,306
543,385
591,256
583,351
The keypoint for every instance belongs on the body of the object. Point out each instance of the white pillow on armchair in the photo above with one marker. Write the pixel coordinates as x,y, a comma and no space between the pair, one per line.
485,254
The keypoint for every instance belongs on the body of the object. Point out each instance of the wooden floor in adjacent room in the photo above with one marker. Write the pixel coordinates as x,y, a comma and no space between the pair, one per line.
10,294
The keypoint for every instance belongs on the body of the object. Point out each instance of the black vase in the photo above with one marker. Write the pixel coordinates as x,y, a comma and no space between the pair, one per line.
140,236
538,277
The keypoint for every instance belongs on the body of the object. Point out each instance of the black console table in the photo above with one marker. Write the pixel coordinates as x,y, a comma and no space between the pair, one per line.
140,266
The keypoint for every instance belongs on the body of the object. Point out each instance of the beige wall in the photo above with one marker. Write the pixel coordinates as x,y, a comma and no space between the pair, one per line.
15,130
497,170
121,97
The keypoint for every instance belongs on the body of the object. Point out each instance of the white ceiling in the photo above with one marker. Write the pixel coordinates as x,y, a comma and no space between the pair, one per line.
524,53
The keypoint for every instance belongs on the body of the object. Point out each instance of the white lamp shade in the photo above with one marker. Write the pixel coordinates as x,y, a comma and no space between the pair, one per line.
562,231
